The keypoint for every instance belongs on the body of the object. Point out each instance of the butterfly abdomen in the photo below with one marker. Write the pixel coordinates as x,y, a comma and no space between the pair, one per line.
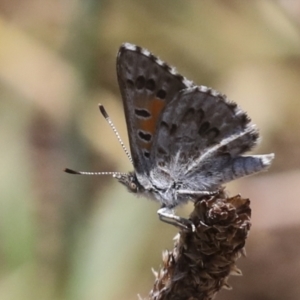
246,165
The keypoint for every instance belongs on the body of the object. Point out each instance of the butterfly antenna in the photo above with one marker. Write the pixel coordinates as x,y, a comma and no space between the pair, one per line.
111,124
114,174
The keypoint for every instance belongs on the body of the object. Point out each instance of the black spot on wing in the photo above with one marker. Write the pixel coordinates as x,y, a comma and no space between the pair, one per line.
142,113
150,85
164,125
161,94
144,136
203,128
173,129
140,82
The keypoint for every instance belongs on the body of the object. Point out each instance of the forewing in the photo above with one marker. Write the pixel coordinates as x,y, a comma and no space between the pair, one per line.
147,84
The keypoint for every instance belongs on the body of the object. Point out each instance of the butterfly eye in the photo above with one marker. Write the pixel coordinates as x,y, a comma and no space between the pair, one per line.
132,186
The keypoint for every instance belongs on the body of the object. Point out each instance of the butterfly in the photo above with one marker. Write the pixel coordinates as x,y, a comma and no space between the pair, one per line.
186,141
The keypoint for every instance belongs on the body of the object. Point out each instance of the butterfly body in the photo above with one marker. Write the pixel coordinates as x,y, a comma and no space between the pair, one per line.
185,140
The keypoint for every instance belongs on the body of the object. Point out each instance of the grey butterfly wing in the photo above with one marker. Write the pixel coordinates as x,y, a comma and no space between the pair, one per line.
200,138
147,85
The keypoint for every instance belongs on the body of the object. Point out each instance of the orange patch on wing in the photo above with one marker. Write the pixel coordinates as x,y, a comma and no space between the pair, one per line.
155,107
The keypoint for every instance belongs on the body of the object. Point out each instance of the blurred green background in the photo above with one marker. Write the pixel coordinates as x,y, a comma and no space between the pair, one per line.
74,237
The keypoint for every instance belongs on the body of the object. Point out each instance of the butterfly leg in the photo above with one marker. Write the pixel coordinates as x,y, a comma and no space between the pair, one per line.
197,193
167,215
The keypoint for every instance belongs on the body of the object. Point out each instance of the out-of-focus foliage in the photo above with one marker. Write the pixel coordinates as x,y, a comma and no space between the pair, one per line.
71,237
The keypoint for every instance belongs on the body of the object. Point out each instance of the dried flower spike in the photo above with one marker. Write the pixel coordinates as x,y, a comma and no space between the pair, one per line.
201,261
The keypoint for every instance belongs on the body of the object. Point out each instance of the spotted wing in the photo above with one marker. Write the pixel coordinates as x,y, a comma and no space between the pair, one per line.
147,85
201,136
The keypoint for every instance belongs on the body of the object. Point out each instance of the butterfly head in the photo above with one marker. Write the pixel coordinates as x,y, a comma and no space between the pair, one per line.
130,181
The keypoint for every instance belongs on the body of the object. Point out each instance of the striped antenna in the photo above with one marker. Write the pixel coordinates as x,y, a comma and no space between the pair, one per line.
111,124
117,175
114,174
